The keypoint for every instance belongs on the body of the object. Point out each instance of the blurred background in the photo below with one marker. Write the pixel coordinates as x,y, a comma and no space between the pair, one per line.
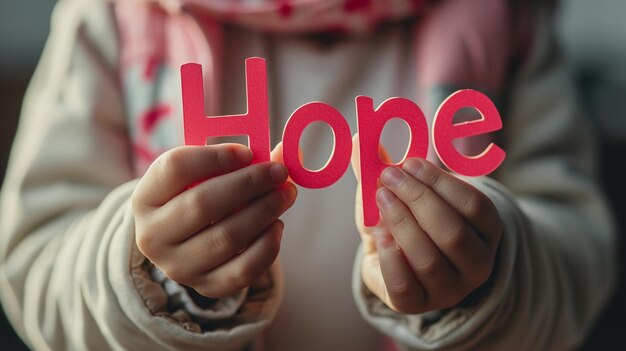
24,25
591,33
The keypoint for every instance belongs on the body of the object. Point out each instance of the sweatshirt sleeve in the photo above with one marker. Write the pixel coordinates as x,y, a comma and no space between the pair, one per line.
555,267
71,277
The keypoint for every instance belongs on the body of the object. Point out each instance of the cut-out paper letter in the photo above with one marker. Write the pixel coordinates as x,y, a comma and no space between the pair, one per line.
371,122
254,123
445,130
340,156
370,126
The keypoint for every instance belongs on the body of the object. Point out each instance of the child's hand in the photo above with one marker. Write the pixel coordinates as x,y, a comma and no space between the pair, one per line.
436,242
221,235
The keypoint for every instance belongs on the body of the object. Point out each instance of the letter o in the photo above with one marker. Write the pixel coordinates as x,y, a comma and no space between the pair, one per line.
340,157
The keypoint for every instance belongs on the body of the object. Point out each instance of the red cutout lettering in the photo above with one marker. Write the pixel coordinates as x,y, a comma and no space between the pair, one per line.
444,131
340,156
370,125
254,123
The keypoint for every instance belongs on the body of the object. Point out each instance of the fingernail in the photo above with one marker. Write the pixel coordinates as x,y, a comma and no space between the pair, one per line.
288,192
413,167
278,173
386,197
244,154
392,176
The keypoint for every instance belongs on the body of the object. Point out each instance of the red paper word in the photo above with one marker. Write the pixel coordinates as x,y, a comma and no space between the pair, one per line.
255,124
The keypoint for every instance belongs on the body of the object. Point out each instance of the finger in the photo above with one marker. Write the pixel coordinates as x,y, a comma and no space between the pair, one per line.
364,231
373,277
383,154
216,198
177,169
452,235
369,246
430,266
277,154
244,269
232,235
468,201
355,156
403,292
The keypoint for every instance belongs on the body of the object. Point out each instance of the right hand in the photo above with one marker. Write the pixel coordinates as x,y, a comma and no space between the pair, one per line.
221,235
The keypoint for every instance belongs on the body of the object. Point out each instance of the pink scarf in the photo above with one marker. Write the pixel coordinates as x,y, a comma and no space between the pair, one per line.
459,43
303,16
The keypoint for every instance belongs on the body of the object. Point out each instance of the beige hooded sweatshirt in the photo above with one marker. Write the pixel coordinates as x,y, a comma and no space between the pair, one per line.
71,277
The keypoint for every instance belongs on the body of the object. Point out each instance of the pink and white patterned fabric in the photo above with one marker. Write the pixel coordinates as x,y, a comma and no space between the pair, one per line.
465,44
304,16
158,36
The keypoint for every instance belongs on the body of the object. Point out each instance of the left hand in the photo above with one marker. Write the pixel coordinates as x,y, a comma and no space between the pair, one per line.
436,241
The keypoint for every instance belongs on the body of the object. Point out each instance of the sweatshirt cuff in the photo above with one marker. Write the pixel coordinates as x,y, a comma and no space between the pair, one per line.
144,302
211,309
469,322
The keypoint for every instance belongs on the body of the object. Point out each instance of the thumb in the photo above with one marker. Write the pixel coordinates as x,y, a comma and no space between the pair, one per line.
277,154
355,159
